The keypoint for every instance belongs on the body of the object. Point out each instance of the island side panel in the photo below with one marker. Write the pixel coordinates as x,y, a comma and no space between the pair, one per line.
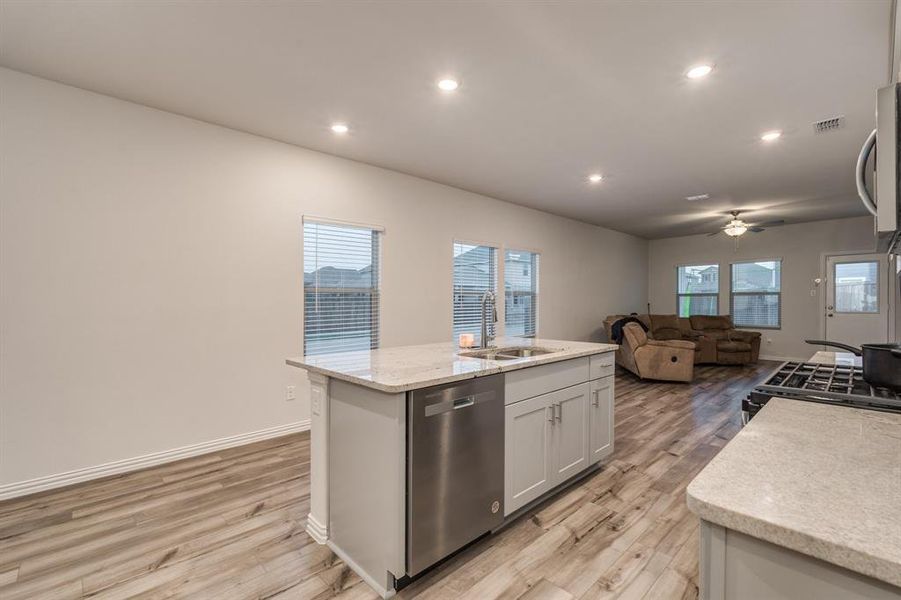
317,520
755,568
367,483
737,566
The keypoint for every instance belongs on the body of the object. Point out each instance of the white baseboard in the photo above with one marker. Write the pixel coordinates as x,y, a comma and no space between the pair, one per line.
49,482
316,530
782,358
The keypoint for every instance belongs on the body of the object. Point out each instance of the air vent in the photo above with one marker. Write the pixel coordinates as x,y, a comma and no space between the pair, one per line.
827,125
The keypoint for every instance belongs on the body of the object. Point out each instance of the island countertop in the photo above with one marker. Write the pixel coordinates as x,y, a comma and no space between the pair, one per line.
406,368
819,479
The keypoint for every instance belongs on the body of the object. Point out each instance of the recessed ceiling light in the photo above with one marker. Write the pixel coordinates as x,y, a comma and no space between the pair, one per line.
340,128
699,71
698,197
595,177
769,136
448,85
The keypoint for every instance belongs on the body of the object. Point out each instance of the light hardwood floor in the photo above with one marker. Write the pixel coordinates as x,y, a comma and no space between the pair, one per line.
230,524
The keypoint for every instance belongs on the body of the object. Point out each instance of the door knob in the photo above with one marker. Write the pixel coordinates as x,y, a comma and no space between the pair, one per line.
829,315
829,307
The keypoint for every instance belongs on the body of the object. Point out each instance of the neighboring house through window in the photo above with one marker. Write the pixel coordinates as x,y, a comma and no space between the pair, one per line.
520,293
475,272
697,290
756,298
341,287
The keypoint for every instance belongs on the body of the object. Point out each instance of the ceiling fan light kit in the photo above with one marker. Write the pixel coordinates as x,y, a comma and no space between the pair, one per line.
735,228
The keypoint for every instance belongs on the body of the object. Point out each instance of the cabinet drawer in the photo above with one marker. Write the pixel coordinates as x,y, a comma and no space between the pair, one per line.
601,365
534,381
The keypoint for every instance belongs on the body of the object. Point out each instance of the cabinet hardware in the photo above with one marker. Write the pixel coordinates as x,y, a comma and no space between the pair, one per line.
595,394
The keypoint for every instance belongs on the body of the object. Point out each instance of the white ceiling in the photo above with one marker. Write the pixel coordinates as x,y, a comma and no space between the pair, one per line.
551,92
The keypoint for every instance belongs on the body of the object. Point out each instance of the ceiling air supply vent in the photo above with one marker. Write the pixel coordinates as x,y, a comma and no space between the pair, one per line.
827,125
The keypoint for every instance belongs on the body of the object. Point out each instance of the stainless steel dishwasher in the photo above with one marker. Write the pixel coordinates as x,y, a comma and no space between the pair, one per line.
455,467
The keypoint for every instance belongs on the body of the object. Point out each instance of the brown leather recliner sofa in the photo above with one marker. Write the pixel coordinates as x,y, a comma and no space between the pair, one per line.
665,360
716,339
733,346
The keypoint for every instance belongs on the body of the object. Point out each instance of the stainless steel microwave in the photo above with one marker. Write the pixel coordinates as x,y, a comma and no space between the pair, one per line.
884,202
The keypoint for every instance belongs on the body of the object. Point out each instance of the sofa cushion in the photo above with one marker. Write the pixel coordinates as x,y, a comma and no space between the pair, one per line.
665,327
672,344
732,346
634,335
710,322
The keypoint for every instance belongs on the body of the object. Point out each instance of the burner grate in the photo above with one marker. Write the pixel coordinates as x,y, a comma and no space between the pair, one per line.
834,383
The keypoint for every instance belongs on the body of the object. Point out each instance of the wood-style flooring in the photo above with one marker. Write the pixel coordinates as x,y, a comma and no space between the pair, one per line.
231,524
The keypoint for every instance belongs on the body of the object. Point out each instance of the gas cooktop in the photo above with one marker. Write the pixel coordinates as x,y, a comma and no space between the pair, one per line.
815,382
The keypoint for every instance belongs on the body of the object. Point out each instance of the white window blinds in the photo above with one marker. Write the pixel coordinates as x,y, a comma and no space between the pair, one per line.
341,287
475,272
698,291
757,294
520,293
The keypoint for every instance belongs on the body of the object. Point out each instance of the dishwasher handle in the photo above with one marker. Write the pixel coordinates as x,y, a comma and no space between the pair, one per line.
450,404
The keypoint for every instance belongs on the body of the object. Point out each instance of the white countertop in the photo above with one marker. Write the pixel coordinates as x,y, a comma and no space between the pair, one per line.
836,358
406,368
819,479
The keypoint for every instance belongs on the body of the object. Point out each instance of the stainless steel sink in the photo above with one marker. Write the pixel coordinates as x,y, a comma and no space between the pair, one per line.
509,353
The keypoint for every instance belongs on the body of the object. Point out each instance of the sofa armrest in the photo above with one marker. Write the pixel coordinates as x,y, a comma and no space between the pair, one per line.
741,335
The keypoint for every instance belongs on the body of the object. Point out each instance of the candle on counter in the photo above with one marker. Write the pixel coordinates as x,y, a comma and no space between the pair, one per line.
467,340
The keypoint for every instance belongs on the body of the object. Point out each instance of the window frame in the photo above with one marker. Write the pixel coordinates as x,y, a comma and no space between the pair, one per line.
495,279
716,295
376,291
536,286
733,293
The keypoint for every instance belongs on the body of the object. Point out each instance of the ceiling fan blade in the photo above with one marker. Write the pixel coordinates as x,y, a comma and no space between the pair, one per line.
756,229
713,234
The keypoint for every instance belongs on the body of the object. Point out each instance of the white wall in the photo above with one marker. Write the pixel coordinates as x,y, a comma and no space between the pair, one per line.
150,273
801,248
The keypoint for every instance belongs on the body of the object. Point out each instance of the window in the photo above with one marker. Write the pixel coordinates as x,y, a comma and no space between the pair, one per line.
475,272
698,291
757,294
521,293
341,287
857,287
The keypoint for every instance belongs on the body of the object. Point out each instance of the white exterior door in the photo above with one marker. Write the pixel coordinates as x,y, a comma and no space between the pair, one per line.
857,298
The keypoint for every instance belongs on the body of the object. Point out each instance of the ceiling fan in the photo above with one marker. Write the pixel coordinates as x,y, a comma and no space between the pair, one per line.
737,227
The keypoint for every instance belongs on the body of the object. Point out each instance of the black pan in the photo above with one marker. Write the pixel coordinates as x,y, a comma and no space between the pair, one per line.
881,362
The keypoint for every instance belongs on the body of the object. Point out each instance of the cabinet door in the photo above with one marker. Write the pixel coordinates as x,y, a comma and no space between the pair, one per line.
570,432
600,419
527,447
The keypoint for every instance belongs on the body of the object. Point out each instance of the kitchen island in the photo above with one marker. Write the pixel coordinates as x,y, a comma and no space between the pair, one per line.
417,450
805,502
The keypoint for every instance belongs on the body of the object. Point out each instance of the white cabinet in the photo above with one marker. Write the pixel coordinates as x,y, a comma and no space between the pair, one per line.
558,423
600,419
528,472
569,435
546,443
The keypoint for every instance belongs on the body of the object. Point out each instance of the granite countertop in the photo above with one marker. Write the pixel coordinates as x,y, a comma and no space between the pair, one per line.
406,368
836,358
822,480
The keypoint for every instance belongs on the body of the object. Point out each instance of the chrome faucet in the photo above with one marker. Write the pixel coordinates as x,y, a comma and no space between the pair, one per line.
487,338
